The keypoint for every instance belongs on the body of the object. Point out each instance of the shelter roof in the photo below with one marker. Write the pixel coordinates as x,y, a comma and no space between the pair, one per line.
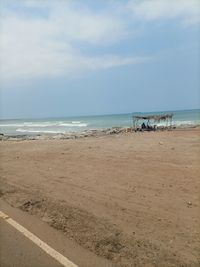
153,117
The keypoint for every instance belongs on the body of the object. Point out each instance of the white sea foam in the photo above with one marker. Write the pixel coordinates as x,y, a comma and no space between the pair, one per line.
11,125
26,124
73,124
38,131
46,124
179,123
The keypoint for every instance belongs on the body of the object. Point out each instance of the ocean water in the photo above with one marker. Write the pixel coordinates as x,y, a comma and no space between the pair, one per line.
78,124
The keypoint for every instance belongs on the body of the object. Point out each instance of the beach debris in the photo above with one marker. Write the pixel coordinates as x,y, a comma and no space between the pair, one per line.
189,203
30,204
161,143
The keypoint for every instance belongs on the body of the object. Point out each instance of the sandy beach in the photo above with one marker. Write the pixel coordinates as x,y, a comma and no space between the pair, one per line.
131,198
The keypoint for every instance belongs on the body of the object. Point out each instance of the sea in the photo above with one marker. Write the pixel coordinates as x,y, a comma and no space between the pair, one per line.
62,125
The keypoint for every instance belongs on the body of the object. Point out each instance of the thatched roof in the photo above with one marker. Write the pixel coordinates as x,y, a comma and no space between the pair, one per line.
154,117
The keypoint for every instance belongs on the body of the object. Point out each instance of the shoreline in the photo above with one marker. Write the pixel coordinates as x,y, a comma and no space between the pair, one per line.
90,133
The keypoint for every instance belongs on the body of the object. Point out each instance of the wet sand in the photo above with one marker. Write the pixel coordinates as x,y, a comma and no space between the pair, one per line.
132,198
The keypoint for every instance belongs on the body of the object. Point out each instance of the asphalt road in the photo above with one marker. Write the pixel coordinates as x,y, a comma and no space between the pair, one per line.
16,250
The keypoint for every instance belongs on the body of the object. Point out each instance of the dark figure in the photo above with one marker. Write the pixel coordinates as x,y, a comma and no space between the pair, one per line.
143,126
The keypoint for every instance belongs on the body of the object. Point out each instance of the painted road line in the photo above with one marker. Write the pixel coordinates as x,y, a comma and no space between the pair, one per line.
49,250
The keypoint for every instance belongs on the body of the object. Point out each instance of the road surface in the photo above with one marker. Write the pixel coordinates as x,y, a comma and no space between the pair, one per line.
18,250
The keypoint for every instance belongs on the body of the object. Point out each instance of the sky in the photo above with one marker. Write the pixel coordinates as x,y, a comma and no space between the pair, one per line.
70,58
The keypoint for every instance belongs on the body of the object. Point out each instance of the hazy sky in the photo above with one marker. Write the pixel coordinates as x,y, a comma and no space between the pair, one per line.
64,58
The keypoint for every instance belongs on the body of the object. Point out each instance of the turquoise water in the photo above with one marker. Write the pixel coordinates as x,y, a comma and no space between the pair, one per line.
82,123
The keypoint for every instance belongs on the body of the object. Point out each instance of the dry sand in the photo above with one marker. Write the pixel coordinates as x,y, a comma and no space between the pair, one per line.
131,198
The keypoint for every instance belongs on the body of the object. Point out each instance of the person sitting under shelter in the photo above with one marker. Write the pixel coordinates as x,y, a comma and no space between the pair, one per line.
143,126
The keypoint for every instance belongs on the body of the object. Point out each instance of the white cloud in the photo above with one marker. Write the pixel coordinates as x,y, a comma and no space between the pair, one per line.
38,46
88,26
44,38
187,10
111,61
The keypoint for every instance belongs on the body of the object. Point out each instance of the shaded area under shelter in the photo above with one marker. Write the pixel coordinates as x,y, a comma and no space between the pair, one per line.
150,122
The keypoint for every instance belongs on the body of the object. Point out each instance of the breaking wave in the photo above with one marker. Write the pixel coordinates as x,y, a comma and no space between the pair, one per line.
179,123
47,124
38,131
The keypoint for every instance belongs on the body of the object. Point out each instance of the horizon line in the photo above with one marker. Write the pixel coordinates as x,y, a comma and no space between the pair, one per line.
97,115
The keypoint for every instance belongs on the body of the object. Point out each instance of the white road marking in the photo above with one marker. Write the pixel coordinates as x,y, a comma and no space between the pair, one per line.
49,250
